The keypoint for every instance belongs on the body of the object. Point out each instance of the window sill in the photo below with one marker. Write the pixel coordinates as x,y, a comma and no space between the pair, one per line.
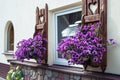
10,53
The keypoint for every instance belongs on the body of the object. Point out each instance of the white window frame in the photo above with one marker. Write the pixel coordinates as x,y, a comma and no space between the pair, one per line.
57,60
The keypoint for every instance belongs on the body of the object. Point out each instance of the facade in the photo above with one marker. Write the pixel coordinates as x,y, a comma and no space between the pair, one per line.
17,22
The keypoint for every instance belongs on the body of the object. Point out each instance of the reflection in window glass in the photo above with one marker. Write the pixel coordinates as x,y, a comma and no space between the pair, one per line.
64,22
65,25
10,38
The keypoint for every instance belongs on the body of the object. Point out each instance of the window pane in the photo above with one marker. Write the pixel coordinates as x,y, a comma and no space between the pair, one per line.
10,38
63,25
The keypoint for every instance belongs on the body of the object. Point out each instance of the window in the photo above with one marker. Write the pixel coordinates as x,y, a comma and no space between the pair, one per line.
65,23
10,40
9,37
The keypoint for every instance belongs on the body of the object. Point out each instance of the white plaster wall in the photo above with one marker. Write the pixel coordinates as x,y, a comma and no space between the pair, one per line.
113,28
22,15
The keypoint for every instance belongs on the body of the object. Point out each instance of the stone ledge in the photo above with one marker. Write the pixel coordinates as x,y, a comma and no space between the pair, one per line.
25,63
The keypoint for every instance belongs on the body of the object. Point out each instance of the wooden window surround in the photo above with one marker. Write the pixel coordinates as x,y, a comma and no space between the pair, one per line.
99,14
42,26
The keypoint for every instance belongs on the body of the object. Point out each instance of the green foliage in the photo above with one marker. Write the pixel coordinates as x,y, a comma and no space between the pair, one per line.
15,74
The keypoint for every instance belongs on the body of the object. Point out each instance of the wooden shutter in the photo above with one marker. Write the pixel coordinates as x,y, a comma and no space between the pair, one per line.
98,15
42,26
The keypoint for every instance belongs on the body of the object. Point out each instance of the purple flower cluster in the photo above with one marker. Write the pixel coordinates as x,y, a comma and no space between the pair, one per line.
111,42
31,48
85,45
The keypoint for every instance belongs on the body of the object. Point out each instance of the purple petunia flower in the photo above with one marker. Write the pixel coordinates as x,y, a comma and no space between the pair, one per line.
31,48
84,45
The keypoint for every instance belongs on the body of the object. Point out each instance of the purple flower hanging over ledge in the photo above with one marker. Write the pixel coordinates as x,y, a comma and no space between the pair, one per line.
31,48
86,44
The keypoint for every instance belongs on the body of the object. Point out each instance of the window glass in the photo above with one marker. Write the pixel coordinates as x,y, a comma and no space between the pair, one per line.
66,22
10,38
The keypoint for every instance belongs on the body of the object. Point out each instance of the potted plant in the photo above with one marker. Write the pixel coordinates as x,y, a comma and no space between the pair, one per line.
85,47
31,48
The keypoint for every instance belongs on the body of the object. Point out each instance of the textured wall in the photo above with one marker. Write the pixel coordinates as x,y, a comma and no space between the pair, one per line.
33,71
46,74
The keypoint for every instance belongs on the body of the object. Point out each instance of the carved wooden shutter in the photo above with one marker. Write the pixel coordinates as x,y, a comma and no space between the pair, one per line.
99,14
42,26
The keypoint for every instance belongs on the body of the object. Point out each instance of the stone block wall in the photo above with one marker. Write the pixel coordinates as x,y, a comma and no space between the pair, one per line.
33,71
46,74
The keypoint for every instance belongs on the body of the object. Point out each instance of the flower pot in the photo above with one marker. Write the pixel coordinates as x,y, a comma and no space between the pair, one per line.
90,63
